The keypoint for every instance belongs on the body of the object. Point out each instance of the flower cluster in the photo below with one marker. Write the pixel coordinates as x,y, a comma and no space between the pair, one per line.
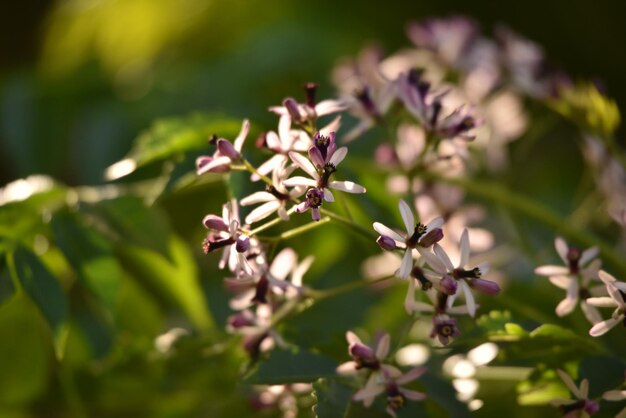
434,273
381,376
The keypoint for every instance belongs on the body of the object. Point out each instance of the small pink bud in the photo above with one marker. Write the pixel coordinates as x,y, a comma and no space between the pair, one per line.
386,243
316,157
292,107
227,149
215,222
485,286
431,237
448,285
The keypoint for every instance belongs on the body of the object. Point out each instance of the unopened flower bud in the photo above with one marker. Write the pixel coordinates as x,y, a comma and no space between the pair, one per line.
227,149
386,243
485,286
215,222
243,243
431,237
292,107
448,285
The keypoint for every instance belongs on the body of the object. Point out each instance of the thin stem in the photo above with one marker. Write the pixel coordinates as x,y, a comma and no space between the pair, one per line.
270,224
302,229
358,228
252,169
318,295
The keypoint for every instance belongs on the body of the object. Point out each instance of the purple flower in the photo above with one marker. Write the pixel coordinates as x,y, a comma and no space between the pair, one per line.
320,176
226,153
415,234
314,198
364,356
444,328
582,406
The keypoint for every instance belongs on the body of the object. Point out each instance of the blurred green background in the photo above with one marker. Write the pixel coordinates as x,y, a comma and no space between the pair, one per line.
80,78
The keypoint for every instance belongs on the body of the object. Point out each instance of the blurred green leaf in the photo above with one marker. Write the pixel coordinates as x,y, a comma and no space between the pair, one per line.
604,373
130,220
171,137
91,256
285,366
541,388
174,279
25,352
45,291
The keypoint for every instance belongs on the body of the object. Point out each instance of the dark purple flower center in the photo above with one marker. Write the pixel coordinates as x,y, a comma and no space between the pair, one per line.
420,229
260,296
314,198
395,398
573,258
311,91
418,274
212,243
474,273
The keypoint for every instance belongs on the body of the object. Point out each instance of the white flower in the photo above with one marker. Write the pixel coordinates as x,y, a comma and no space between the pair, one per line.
580,269
282,143
416,234
583,407
466,277
321,179
616,292
274,198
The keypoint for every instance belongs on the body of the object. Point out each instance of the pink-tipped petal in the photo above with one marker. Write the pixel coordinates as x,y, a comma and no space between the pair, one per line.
245,128
411,375
603,327
338,156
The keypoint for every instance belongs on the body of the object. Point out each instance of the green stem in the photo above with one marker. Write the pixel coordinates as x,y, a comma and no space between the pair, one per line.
302,229
366,232
318,295
269,224
502,195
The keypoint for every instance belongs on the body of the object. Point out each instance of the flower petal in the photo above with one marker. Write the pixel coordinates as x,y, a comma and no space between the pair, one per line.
283,263
412,394
385,230
407,217
243,133
347,186
464,248
368,393
300,181
411,375
561,248
601,302
406,265
469,298
257,197
328,196
304,163
326,107
443,256
588,255
382,349
262,211
338,156
561,282
551,270
570,383
603,327
567,305
591,313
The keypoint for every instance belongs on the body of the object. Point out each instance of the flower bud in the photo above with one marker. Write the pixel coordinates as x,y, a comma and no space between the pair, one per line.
448,285
227,149
292,107
386,243
431,237
485,286
215,222
243,243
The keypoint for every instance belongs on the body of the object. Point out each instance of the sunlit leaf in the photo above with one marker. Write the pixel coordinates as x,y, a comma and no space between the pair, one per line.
172,137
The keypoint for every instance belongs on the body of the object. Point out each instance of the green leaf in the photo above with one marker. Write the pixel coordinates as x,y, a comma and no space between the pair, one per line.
293,367
45,291
173,279
170,137
25,352
334,400
91,256
130,220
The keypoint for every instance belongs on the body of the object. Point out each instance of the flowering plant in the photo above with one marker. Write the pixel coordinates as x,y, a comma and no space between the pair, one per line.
390,213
